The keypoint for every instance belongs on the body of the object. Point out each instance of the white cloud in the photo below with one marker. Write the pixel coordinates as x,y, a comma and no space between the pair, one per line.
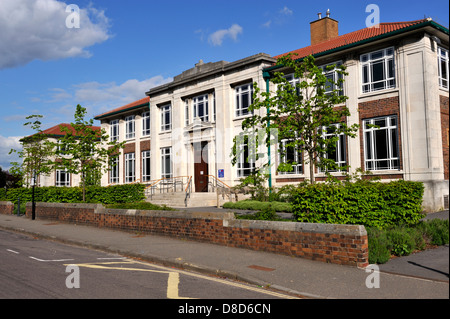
286,11
217,37
6,144
36,30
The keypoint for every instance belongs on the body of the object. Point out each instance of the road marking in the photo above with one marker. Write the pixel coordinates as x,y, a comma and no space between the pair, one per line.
48,260
106,258
13,251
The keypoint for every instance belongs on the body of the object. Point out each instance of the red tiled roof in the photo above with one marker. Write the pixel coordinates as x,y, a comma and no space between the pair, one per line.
352,37
131,105
56,130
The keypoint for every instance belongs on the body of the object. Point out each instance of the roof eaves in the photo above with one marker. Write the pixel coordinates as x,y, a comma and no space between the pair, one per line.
102,116
266,71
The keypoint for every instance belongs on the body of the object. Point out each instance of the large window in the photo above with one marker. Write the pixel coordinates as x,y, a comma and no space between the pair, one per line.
200,104
114,130
146,123
290,154
244,98
62,178
378,70
146,176
166,162
130,168
129,127
337,154
332,78
443,67
381,149
245,163
166,117
114,170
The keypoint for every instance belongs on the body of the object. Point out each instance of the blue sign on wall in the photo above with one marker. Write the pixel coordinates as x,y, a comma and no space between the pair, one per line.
221,173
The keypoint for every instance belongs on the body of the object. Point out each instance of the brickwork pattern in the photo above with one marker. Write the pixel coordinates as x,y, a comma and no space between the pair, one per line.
445,133
338,244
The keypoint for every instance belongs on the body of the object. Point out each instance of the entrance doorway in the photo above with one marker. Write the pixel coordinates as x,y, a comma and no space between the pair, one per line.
201,166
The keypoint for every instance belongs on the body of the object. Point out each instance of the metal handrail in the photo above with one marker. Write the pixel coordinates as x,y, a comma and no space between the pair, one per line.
166,184
188,191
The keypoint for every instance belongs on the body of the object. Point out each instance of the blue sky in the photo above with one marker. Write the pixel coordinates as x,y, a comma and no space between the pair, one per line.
123,48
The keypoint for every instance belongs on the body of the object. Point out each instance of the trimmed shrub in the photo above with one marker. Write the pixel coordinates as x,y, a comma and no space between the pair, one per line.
257,205
127,193
372,204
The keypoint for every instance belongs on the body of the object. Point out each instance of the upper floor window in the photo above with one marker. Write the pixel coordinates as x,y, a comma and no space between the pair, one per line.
114,130
244,98
129,127
146,123
378,71
200,104
166,117
333,77
443,67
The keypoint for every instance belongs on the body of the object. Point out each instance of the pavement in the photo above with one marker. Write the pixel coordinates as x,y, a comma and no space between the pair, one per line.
423,275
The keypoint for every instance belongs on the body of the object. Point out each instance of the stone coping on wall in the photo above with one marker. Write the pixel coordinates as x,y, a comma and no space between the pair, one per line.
333,243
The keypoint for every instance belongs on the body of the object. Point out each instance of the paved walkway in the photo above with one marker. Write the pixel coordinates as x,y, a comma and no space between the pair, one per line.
422,275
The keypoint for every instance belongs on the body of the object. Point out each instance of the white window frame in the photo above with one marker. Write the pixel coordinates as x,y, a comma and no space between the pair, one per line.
298,158
166,153
130,127
130,168
114,171
244,93
443,62
335,77
186,110
166,118
146,166
62,182
146,123
370,128
384,56
114,130
198,103
244,167
341,147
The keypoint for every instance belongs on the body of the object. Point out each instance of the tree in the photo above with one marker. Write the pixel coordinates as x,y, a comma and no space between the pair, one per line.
84,150
301,109
36,154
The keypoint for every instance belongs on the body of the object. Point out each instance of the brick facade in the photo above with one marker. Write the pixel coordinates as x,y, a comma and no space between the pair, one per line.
338,244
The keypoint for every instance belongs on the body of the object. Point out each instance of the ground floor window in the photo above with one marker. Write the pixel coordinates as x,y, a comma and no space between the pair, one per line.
130,166
290,154
146,166
114,171
337,154
166,162
381,149
62,178
245,163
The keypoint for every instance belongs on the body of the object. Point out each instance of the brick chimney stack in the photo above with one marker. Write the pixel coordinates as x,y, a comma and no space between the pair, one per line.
323,29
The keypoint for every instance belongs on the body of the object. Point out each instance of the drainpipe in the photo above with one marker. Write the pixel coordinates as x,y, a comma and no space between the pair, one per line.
266,76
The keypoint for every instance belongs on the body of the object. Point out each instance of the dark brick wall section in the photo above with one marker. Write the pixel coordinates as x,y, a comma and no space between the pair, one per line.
338,244
445,133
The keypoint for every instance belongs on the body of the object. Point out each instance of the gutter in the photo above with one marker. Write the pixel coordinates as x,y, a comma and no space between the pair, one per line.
99,117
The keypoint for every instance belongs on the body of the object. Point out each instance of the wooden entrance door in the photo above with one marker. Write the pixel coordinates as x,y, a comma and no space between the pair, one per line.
201,166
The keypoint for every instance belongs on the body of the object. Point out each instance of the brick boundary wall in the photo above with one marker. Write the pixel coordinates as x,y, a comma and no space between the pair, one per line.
338,244
6,208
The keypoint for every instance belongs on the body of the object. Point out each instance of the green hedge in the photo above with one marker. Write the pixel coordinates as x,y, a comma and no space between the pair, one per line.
372,204
127,193
257,205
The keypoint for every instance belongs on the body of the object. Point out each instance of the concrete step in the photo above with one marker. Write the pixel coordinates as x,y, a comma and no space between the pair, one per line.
177,199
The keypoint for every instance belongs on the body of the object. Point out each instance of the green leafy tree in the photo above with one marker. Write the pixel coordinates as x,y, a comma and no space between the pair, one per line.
84,150
36,153
300,113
